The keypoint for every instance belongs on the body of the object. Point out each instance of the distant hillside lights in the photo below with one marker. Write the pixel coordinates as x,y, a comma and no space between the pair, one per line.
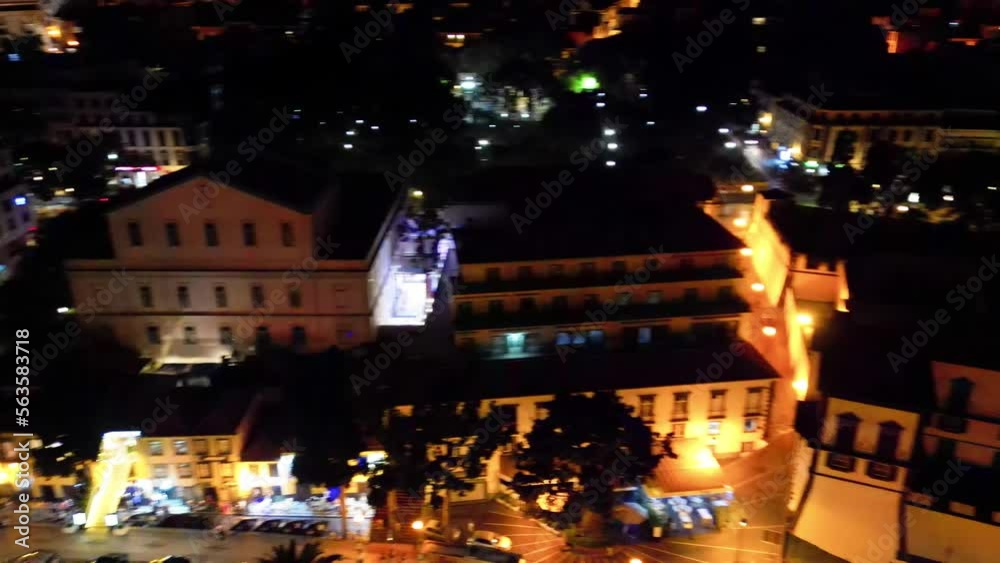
381,19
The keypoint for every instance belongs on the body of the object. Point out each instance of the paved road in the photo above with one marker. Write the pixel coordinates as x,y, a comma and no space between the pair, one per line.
145,544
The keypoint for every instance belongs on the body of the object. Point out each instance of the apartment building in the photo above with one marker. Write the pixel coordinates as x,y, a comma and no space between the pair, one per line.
272,255
812,130
563,285
154,143
17,224
894,465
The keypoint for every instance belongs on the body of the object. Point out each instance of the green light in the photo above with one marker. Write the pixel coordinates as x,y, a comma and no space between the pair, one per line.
838,165
584,82
811,164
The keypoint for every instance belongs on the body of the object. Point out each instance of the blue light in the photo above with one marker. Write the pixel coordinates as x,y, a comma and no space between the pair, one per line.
20,200
13,57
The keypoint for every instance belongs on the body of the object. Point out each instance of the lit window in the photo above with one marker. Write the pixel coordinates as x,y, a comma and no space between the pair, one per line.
200,446
645,335
160,471
714,428
596,337
562,339
204,471
184,470
647,408
223,446
654,297
761,49
759,21
180,447
155,447
680,406
750,425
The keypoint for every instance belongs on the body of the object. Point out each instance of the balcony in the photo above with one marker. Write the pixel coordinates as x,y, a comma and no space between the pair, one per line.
881,471
717,413
596,314
951,423
841,462
603,279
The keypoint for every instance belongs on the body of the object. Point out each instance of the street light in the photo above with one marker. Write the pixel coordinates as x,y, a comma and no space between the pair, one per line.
417,525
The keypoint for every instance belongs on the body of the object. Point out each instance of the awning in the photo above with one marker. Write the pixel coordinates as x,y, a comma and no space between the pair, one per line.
694,472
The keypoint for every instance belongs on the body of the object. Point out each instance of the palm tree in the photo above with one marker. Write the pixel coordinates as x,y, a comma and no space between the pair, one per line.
310,554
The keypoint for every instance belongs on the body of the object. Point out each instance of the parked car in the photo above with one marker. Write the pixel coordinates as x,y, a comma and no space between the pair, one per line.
434,531
318,529
245,525
484,537
270,526
297,527
112,558
186,521
171,559
141,520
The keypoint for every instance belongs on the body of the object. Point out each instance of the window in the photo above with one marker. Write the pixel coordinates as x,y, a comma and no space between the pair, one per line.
888,440
226,335
295,298
562,339
340,297
145,138
618,267
840,462
588,269
645,335
180,447
556,271
647,409
754,401
153,334
592,301
958,396
654,297
492,274
527,303
560,303
211,235
524,273
146,296
817,134
173,237
623,298
263,337
160,471
725,293
257,295
595,338
750,425
287,235
680,411
178,138
907,136
464,309
678,429
190,336
221,299
223,447
184,470
272,469
161,138
717,403
249,234
204,470
298,337
714,427
134,234
881,471
226,469
200,446
495,307
929,136
155,447
690,294
847,429
183,297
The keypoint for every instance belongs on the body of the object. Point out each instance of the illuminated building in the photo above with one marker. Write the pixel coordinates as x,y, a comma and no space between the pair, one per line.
815,129
274,255
23,18
17,225
563,283
917,448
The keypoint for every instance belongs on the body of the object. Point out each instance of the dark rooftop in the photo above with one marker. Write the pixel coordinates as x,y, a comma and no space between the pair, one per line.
616,229
196,411
270,435
581,371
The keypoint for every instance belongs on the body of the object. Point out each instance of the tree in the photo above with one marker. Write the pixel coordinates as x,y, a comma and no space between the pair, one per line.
416,459
586,446
841,186
310,553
